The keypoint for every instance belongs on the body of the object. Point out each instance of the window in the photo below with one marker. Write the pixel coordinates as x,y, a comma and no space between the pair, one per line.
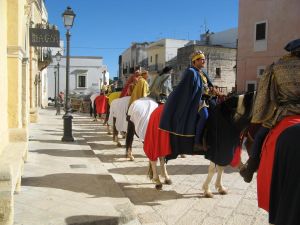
218,72
81,81
250,86
260,70
260,31
151,59
260,36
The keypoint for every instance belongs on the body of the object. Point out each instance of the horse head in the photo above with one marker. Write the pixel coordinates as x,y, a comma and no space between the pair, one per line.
224,126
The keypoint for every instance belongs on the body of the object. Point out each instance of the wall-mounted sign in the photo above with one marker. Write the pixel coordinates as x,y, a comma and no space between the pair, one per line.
44,37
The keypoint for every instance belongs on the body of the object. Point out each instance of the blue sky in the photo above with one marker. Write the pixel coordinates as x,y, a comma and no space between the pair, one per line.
107,27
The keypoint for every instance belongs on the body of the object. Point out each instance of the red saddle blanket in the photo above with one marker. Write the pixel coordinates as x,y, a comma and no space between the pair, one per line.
264,173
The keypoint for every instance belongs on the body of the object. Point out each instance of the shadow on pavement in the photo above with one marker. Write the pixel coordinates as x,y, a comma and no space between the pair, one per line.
172,170
65,153
96,146
92,220
150,196
91,184
111,158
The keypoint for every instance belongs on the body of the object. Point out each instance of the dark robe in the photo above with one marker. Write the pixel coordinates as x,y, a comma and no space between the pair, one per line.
265,170
285,185
180,113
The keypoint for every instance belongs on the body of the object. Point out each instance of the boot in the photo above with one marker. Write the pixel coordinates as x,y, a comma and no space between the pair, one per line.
199,148
248,169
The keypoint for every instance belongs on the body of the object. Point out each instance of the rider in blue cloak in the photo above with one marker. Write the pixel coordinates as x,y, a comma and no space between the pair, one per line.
185,111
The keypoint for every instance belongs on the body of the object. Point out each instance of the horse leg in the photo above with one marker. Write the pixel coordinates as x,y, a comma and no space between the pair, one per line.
129,140
115,133
163,169
155,178
219,186
205,187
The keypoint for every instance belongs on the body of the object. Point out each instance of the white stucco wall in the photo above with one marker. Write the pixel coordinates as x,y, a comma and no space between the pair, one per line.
93,66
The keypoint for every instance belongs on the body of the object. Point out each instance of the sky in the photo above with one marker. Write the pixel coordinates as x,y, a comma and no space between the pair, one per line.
108,27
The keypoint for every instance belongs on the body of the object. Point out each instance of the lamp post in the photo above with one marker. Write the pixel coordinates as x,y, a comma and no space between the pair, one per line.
68,17
58,58
55,99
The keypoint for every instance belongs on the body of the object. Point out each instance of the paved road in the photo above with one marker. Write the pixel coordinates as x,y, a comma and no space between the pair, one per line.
60,194
181,203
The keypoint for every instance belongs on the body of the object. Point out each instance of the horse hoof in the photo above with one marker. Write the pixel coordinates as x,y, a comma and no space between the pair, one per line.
119,144
208,195
168,181
131,158
223,192
158,187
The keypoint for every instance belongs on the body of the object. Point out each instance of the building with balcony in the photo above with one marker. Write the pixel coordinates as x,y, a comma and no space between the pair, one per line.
265,27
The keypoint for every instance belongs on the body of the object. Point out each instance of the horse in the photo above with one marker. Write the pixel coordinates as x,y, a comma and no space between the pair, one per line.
117,117
138,117
222,134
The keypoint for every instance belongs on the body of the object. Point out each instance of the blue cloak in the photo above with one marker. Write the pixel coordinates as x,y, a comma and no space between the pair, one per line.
180,112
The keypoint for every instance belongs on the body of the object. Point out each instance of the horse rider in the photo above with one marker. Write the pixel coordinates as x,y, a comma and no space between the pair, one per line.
161,86
185,110
277,97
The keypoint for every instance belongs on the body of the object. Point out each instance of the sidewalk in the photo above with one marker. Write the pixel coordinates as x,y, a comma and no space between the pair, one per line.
91,182
65,183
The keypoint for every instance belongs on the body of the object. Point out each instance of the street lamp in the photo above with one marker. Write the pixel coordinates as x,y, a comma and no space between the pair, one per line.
58,58
68,17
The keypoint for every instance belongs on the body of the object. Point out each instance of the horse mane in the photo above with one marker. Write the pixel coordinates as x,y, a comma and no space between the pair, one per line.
224,126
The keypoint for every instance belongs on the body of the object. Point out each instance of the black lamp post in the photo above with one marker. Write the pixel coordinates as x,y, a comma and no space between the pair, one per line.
55,97
58,58
68,17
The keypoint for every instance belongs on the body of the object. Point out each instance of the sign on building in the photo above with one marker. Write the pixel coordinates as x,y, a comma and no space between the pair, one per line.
44,37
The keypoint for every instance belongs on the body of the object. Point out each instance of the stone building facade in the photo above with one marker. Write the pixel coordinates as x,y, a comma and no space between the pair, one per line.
20,82
220,64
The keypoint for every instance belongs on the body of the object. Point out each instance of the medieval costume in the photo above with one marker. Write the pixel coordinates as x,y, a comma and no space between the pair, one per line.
161,87
129,85
277,107
112,96
101,103
141,89
277,97
180,114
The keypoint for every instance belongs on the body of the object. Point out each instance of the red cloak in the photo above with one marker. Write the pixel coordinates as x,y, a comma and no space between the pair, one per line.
101,103
156,142
264,173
